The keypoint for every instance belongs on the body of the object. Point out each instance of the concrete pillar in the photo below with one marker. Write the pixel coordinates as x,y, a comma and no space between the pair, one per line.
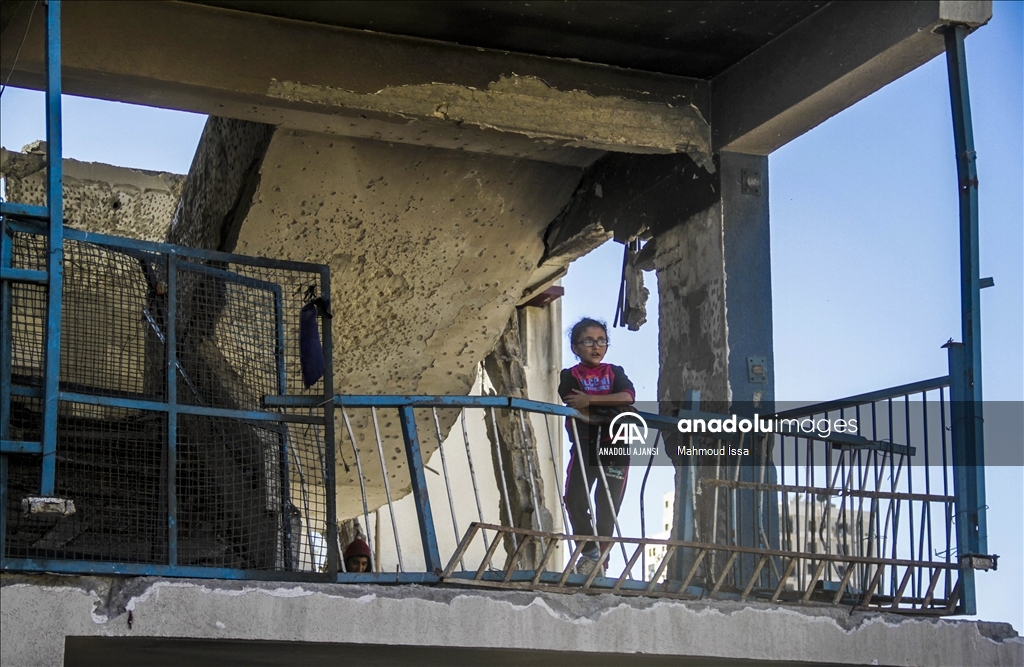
714,281
515,443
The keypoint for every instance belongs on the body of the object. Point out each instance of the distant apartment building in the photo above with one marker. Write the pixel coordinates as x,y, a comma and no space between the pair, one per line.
655,552
823,524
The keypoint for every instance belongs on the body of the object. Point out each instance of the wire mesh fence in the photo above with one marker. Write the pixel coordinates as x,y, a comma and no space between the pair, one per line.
165,451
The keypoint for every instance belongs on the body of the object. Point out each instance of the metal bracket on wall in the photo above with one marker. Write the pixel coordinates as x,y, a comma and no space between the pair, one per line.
750,182
757,370
984,562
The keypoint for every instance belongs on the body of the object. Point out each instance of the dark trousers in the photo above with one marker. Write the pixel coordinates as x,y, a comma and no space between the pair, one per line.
577,488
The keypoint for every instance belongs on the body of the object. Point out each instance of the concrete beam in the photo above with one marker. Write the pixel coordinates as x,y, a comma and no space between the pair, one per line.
825,64
50,621
329,79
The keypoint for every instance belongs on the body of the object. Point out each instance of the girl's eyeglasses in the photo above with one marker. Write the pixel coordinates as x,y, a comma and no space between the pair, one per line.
590,342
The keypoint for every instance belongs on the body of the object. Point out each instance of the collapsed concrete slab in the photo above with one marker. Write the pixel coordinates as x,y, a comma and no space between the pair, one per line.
430,251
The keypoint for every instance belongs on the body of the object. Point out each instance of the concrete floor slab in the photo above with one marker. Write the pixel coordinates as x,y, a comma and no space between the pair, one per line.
181,619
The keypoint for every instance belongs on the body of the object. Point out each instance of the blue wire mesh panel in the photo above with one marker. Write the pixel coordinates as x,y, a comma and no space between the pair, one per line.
250,495
110,463
200,477
108,346
229,343
28,311
229,501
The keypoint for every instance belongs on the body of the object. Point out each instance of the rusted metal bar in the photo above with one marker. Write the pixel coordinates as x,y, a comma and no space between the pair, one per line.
387,488
954,597
528,460
725,570
457,557
782,580
516,555
488,556
629,566
753,577
548,552
836,558
814,579
843,584
506,498
572,562
362,486
869,592
931,588
444,467
472,476
903,586
583,470
611,503
598,568
693,568
661,568
559,486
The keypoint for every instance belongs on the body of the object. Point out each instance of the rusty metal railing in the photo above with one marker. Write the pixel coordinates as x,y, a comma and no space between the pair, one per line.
564,579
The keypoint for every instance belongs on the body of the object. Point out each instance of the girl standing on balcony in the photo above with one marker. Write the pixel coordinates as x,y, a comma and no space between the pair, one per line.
599,391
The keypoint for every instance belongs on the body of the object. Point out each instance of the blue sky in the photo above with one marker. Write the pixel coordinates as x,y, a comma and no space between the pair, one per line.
864,250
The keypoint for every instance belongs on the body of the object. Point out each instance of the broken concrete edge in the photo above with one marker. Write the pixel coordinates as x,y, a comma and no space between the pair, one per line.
102,198
32,159
117,595
450,616
527,105
260,48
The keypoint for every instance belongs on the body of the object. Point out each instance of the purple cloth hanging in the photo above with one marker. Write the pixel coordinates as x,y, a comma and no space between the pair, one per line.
311,353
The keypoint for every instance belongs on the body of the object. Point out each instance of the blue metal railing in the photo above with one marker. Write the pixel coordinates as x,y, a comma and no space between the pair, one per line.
902,558
897,502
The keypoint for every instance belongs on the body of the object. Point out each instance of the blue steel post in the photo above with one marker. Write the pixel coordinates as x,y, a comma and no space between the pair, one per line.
330,487
6,331
6,352
55,256
171,354
431,554
965,359
3,506
282,442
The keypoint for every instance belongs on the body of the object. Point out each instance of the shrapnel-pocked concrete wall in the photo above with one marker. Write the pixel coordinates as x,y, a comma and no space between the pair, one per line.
430,251
40,612
97,197
105,338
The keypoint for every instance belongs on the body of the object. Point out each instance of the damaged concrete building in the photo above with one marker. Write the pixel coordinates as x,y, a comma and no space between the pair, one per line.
443,163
